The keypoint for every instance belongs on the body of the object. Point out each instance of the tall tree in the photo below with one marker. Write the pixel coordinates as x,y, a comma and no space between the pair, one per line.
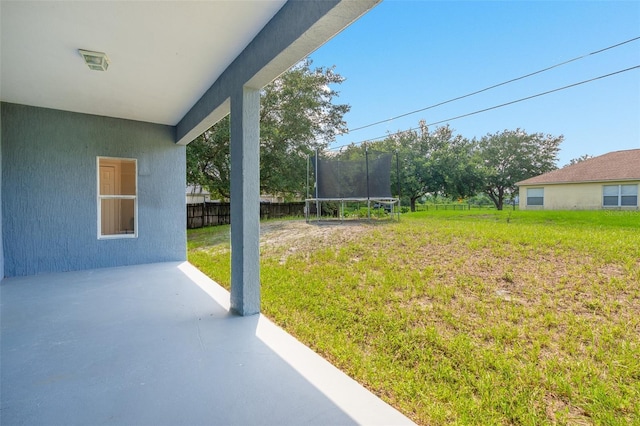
411,148
297,115
436,162
454,165
513,155
208,160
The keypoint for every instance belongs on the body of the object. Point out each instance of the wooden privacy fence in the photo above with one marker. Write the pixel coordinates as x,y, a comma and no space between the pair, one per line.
213,214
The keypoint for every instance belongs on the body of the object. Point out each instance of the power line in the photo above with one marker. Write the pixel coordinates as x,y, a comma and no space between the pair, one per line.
495,85
497,106
536,95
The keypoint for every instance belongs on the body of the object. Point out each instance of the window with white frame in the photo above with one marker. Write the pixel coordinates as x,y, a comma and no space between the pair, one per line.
117,198
535,196
620,195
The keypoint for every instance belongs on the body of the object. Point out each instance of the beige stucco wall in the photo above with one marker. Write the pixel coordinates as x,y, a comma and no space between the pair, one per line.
577,196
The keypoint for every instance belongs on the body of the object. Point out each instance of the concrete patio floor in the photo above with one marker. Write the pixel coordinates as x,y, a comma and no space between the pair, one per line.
153,345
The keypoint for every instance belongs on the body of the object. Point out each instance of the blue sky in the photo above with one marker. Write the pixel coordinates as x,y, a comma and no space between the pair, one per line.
407,55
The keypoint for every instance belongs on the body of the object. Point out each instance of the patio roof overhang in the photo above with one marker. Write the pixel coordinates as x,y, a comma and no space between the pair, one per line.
172,62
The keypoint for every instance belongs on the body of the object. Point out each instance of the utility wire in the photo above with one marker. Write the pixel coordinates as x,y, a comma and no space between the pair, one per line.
495,85
495,107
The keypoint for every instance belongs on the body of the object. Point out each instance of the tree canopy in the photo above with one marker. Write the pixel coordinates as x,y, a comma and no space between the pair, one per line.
297,116
511,156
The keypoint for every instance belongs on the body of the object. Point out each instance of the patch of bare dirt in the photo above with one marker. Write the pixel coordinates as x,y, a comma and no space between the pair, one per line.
298,236
562,412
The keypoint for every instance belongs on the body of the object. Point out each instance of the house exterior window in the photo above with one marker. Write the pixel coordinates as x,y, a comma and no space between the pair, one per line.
117,198
620,195
535,196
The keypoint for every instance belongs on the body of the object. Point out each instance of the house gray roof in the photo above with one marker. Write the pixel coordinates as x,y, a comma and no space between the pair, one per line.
196,190
614,166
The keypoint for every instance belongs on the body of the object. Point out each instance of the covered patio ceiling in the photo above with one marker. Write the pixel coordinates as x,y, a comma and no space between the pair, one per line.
171,62
164,54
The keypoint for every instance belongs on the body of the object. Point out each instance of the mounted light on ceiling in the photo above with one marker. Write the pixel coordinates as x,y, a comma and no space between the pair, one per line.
96,61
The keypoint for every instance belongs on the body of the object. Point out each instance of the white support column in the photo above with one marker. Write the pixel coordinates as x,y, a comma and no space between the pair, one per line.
245,201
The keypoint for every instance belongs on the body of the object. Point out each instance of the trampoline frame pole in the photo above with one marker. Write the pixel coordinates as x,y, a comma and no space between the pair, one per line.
366,161
306,201
398,182
317,201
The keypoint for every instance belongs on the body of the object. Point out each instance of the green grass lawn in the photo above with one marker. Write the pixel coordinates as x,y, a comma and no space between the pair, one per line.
512,317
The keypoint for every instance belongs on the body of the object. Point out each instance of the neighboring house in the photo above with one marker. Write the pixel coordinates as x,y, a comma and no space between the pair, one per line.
92,162
197,195
270,198
610,181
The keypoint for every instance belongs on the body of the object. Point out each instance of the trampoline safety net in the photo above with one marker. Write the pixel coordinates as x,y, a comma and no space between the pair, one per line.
343,179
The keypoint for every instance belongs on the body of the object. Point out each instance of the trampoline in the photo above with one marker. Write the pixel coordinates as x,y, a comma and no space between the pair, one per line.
340,183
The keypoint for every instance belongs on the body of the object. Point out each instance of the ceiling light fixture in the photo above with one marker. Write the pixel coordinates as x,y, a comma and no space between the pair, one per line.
96,61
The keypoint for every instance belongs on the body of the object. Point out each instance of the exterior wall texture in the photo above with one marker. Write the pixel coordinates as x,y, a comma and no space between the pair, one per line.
577,196
49,195
1,237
